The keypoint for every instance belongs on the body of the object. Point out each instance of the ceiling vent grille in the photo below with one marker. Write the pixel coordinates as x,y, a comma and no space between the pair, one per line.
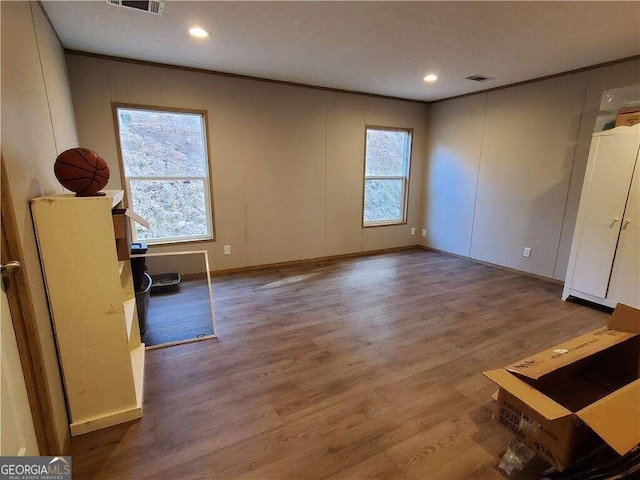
151,6
479,78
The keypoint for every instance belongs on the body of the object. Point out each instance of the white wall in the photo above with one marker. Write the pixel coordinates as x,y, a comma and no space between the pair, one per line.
287,162
37,124
455,131
505,168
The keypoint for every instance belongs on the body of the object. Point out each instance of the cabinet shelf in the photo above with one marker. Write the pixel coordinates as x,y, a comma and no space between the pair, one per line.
116,197
93,308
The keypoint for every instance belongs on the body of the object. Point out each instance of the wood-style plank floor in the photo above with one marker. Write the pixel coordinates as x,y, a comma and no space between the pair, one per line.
181,315
366,368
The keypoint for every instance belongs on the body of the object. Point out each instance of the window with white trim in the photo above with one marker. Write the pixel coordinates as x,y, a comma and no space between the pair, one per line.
166,172
386,176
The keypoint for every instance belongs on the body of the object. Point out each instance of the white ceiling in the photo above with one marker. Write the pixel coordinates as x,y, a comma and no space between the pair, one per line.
384,48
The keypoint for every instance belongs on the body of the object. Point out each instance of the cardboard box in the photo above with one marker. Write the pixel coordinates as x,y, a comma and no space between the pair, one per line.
628,116
122,229
563,401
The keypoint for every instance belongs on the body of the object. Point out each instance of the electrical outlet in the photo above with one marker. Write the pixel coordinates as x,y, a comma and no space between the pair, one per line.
527,252
424,232
413,230
227,249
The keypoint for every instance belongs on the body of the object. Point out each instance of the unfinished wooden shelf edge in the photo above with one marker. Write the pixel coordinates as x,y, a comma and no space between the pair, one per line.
129,315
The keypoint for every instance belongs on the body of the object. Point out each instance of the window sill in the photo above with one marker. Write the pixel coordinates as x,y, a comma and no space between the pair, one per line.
384,224
168,243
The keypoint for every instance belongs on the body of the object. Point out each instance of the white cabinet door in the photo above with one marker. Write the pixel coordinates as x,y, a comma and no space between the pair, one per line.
625,278
611,158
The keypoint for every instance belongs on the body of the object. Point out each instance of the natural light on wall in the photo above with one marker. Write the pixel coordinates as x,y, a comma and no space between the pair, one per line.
166,172
386,180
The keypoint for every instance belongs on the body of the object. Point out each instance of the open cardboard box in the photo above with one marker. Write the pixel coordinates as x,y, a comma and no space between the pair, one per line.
122,229
628,116
561,402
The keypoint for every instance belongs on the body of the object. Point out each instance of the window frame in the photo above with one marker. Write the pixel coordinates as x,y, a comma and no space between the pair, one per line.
405,178
208,188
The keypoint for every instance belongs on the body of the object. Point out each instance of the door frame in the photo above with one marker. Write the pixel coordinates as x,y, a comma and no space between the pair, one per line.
26,329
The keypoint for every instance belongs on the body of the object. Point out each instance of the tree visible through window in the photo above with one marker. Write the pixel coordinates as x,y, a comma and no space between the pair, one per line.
386,178
166,170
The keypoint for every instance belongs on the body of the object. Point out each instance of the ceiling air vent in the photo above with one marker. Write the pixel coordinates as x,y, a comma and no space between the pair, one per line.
152,6
479,78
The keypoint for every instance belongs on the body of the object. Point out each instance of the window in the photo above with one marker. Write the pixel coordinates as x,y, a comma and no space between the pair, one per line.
166,172
386,176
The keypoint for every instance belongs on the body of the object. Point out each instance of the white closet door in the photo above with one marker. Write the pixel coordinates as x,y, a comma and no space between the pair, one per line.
625,278
17,435
605,192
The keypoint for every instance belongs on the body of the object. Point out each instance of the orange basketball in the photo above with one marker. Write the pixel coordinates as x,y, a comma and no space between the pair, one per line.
82,171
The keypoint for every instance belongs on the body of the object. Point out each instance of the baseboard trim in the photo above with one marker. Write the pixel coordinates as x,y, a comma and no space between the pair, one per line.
293,263
495,265
368,253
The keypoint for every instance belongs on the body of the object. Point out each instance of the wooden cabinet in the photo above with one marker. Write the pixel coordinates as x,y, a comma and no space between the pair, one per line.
604,266
93,308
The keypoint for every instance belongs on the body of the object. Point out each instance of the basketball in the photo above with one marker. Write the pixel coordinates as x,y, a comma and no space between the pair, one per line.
82,171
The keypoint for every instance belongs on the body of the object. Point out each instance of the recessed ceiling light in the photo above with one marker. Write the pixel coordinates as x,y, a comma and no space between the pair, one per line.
198,32
431,78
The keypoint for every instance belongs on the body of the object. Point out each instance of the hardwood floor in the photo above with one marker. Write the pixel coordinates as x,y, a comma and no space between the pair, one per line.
181,315
367,368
